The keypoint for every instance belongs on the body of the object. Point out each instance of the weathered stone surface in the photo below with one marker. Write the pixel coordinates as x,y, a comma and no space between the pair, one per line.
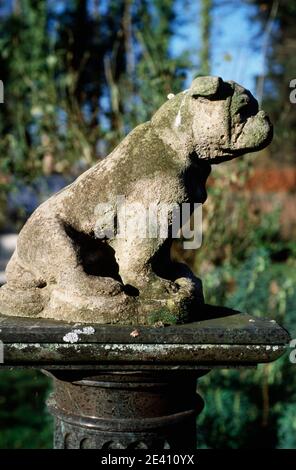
65,268
231,340
219,325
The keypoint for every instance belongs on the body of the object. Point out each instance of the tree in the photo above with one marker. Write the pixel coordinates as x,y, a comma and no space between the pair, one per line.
278,22
206,7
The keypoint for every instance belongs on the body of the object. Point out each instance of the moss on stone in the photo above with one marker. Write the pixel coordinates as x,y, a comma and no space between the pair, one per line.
163,315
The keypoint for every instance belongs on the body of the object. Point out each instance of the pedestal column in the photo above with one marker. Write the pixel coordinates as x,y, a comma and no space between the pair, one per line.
125,410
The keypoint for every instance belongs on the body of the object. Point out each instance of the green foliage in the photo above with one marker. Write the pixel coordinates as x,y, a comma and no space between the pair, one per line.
42,127
287,429
24,421
267,289
254,273
77,80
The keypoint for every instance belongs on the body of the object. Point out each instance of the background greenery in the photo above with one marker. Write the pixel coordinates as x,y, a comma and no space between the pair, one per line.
78,76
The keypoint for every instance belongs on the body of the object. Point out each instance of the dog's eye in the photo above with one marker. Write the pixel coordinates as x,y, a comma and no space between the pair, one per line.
245,100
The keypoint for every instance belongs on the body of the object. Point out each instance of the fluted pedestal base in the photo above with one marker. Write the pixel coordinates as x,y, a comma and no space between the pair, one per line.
125,410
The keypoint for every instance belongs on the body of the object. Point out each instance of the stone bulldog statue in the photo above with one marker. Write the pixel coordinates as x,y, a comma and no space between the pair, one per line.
68,264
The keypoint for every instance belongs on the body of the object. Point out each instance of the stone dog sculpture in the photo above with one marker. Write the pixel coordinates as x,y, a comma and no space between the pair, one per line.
61,269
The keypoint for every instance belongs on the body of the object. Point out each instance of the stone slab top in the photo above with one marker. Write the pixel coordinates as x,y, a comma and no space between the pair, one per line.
221,326
226,339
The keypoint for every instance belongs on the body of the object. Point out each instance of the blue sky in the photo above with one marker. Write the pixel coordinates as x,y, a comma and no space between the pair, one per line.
236,45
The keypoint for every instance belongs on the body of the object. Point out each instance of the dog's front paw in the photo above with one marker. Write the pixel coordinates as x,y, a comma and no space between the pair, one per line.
172,302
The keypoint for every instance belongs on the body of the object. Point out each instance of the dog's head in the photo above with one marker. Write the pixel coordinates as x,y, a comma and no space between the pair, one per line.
221,120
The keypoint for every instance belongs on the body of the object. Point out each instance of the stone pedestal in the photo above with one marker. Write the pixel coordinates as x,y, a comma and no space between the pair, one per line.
135,387
125,410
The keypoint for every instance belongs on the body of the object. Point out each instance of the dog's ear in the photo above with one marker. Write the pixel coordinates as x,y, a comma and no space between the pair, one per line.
205,86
